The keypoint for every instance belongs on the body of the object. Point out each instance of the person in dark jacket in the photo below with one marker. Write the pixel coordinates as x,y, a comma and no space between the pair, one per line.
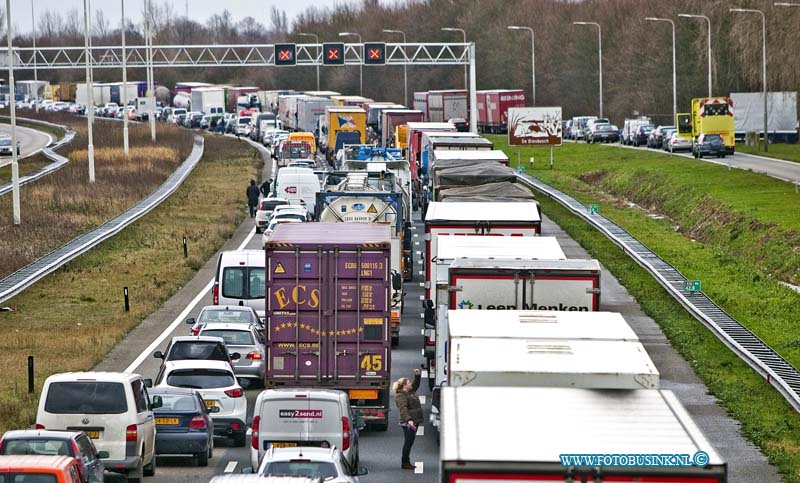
252,197
265,187
410,411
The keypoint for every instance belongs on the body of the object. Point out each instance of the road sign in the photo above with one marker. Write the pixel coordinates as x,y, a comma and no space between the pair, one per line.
692,286
285,54
534,126
375,53
333,54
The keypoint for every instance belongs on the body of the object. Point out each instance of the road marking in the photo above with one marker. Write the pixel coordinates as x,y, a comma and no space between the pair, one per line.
424,373
420,430
421,401
179,320
418,465
416,243
231,466
422,297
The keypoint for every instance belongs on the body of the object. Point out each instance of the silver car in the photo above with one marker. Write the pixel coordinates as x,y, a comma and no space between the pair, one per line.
224,314
248,341
674,142
5,147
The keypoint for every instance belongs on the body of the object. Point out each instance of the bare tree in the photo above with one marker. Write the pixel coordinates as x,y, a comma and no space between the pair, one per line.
51,26
100,24
251,29
280,25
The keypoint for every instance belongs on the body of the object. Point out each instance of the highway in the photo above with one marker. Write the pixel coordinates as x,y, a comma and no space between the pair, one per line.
30,140
380,452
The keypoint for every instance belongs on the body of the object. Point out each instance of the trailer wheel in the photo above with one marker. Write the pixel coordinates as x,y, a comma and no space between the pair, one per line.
395,340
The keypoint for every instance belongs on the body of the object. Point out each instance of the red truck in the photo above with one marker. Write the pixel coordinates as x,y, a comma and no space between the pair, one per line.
493,108
328,297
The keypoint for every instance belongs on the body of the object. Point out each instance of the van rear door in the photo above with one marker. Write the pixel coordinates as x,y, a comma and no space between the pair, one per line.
295,418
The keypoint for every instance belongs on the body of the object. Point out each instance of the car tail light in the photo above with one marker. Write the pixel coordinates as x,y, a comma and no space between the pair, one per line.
254,433
197,422
254,355
195,330
131,433
235,392
72,442
39,426
428,340
216,294
345,433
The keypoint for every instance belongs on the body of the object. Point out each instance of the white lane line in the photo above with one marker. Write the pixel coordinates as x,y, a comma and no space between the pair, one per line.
418,466
231,466
179,320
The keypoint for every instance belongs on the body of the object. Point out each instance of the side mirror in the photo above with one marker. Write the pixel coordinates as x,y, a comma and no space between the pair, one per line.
147,383
212,409
158,355
360,423
245,383
190,321
235,356
361,471
397,281
247,470
429,314
156,403
103,455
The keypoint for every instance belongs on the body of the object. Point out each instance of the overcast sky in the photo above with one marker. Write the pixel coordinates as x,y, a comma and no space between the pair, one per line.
199,10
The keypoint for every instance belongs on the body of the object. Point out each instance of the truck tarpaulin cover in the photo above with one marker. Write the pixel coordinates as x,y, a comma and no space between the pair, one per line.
474,175
748,111
459,163
504,190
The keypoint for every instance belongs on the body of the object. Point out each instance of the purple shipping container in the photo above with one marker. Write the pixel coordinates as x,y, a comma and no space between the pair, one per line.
328,311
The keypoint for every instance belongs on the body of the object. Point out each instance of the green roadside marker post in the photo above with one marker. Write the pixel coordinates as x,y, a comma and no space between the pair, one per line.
521,169
692,286
593,209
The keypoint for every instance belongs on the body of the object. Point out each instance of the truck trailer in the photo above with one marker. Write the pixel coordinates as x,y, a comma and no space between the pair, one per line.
327,312
391,119
493,108
448,104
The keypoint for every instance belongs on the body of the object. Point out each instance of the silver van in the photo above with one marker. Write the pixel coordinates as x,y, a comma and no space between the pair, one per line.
239,279
304,417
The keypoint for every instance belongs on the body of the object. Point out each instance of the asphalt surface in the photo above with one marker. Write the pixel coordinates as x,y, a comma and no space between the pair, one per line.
775,168
380,452
30,140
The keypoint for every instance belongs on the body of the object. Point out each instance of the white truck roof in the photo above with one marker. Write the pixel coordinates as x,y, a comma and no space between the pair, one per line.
588,364
539,324
433,126
525,262
543,247
483,211
541,423
470,154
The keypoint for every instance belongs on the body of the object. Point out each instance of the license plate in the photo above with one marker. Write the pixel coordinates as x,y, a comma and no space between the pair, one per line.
93,434
281,445
210,404
172,421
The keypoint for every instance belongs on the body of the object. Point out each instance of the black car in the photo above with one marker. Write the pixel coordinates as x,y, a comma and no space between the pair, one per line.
63,443
604,133
461,124
183,424
641,134
710,145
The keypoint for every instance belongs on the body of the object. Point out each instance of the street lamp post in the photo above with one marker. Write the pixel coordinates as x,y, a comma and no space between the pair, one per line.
405,64
533,60
35,74
316,41
763,65
361,65
599,56
464,35
124,87
708,22
89,91
674,76
12,104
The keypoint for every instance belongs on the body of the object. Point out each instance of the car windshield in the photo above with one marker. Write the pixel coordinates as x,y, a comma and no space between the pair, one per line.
712,137
198,350
86,397
5,142
231,337
293,216
244,120
271,204
29,478
606,127
39,446
233,285
200,378
227,316
176,402
308,469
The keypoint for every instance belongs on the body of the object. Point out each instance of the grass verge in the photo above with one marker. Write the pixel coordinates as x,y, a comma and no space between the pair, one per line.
734,230
71,319
787,152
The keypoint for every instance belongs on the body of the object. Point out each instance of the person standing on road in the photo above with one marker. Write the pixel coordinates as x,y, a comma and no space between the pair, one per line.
410,411
265,187
252,197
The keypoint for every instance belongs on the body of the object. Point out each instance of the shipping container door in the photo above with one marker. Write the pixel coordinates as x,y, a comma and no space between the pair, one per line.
358,324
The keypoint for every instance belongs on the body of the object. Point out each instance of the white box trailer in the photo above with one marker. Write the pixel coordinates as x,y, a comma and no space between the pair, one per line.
309,110
82,97
479,218
748,114
447,104
524,362
208,100
534,428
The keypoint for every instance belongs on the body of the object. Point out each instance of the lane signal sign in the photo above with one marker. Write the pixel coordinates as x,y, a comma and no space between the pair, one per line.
375,53
285,54
333,54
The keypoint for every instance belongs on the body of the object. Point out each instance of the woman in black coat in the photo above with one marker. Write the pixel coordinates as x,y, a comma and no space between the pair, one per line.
410,411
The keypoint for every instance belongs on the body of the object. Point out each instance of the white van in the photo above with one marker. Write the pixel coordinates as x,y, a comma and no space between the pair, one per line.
304,417
239,279
112,408
298,185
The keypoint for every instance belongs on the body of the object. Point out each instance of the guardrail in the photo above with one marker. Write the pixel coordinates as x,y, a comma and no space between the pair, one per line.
781,374
36,270
58,161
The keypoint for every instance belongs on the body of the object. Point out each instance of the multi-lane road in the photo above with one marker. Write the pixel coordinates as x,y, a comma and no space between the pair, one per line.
30,140
380,452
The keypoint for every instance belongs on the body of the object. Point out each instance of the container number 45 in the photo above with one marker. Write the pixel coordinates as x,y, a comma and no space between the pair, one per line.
372,362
